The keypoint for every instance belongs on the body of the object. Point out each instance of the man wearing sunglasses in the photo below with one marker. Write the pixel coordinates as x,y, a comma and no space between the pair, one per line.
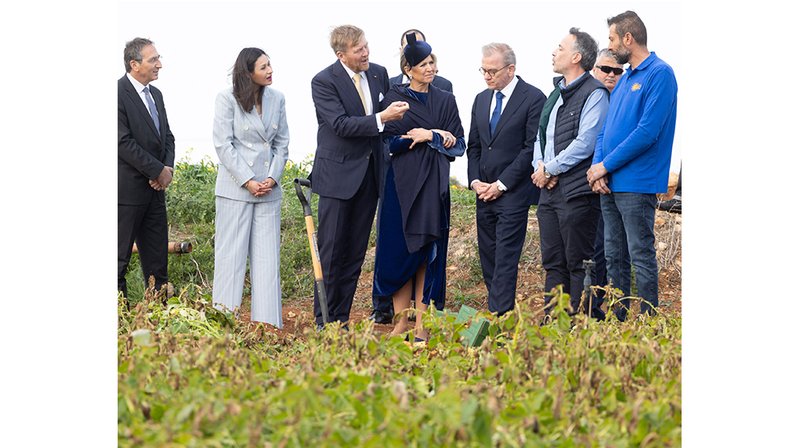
632,158
607,70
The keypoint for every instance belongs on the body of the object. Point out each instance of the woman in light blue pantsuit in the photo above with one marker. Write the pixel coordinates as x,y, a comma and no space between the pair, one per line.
251,138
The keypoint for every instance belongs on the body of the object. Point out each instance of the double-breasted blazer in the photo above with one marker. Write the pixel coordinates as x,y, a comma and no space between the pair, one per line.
249,146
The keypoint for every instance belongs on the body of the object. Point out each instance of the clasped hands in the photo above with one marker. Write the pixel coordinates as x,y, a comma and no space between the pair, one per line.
486,192
259,189
163,180
540,180
597,175
420,135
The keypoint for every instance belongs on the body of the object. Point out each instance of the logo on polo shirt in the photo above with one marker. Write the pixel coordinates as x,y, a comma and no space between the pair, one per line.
636,87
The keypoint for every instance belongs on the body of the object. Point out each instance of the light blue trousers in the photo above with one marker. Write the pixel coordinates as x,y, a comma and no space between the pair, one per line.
247,229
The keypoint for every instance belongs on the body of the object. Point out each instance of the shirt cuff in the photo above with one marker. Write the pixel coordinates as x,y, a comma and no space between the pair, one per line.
380,124
471,184
501,186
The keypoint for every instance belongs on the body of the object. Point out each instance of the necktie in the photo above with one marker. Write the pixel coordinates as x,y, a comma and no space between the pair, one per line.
152,106
357,82
496,113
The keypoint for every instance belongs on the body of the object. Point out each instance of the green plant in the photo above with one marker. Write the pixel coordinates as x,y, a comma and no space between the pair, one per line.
186,378
190,197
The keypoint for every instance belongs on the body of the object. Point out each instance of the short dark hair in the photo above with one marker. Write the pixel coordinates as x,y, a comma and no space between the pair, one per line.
586,46
629,22
133,51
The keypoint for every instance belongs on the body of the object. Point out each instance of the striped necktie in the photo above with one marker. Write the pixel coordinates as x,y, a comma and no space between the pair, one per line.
152,106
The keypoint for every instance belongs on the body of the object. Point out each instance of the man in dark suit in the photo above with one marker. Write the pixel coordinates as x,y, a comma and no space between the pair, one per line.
146,155
438,81
505,120
348,163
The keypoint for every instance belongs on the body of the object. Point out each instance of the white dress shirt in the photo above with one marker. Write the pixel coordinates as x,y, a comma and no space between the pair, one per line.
367,95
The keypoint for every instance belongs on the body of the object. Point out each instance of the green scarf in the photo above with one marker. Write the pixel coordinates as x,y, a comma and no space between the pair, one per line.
545,117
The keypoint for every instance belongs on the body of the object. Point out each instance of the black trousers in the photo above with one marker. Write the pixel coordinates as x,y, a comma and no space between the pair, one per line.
567,229
502,226
343,235
600,273
147,226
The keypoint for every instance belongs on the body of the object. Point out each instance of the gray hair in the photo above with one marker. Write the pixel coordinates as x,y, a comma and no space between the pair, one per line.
133,51
504,49
606,53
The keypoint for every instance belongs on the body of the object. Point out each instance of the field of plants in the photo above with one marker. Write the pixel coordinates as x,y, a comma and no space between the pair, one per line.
189,375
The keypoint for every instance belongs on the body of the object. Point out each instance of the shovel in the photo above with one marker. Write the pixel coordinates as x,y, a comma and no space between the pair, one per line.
312,244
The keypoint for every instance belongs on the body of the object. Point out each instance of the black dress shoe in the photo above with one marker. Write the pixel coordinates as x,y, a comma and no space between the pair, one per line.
381,317
320,327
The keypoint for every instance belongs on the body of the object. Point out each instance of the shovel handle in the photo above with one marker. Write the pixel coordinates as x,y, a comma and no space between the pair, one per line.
305,201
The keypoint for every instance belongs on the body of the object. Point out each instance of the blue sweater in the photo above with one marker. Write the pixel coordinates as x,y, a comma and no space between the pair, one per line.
635,144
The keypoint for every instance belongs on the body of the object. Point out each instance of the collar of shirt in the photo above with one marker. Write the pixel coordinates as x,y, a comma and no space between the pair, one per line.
507,91
562,85
364,86
646,63
138,87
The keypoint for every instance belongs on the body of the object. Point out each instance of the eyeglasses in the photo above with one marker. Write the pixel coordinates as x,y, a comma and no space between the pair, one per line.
152,60
606,69
491,72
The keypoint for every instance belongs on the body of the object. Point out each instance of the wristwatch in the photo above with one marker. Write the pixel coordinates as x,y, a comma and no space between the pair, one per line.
546,174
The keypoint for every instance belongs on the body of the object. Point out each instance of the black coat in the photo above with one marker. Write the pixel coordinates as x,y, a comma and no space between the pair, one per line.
142,152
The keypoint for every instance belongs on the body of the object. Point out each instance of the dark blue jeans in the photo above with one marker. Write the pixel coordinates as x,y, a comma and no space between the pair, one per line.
630,218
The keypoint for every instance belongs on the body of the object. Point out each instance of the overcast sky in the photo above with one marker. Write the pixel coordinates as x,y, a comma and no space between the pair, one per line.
199,42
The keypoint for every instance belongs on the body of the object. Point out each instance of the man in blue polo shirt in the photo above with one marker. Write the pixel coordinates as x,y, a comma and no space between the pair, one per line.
632,158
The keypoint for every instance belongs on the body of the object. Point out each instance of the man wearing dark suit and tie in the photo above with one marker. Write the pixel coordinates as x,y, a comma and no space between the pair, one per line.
146,155
505,120
347,163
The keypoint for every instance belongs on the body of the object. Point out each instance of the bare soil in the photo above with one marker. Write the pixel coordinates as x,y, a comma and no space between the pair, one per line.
465,285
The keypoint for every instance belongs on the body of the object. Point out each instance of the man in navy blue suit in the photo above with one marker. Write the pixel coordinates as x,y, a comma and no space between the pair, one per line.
347,163
505,120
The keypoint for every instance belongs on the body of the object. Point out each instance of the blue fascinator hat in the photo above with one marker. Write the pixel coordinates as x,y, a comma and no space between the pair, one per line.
416,50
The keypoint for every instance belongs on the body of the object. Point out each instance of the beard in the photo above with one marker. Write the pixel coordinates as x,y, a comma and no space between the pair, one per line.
622,56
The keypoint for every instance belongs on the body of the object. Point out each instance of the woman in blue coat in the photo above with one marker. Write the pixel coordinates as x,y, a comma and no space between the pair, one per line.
414,219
